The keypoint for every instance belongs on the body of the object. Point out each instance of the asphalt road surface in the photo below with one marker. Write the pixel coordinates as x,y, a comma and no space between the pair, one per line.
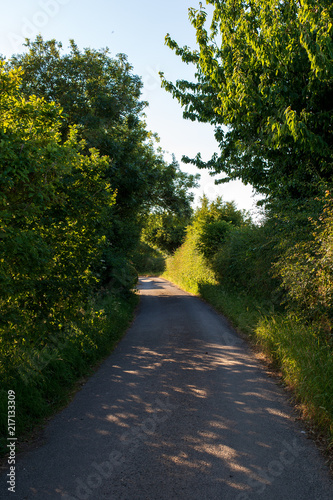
180,410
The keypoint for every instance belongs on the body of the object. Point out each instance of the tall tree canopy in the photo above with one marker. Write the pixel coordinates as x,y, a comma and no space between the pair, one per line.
264,79
55,206
100,95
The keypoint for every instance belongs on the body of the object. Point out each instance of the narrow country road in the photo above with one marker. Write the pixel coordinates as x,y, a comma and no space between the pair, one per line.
180,410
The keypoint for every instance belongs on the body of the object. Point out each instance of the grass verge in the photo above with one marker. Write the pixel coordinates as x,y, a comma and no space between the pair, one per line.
306,361
190,273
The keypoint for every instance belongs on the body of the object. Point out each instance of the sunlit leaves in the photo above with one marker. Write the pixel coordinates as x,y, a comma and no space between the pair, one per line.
53,202
264,71
306,270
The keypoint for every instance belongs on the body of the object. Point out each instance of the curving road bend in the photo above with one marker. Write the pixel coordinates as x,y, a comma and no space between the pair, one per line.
181,410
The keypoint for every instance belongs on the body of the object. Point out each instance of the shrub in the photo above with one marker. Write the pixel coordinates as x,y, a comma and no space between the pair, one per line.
188,267
244,262
306,271
212,236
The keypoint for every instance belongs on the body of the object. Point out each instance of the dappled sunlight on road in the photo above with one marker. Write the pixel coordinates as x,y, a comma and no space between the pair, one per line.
182,410
207,411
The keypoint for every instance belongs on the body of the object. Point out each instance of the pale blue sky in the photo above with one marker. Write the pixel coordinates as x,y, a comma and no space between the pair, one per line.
136,28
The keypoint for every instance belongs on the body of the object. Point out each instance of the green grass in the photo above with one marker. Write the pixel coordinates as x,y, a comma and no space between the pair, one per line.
43,377
306,361
242,310
189,273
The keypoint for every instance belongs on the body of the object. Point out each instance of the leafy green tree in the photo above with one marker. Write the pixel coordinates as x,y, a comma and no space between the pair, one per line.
213,221
101,97
172,192
165,231
164,226
219,210
53,203
264,77
97,92
305,270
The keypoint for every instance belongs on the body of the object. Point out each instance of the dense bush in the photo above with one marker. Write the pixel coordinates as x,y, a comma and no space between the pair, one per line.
53,201
306,271
244,262
212,237
188,267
